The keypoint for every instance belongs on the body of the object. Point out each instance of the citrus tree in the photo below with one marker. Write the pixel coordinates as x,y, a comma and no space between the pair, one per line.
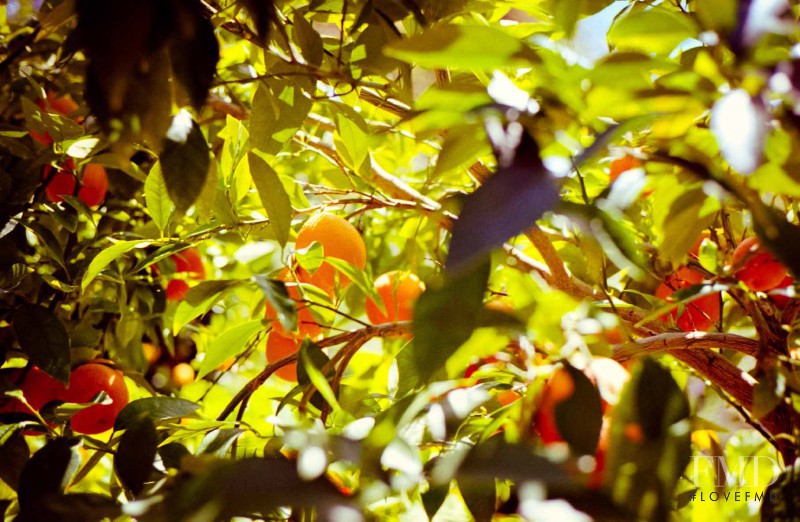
399,259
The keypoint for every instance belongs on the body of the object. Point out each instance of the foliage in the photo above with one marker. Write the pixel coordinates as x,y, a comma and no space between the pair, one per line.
569,178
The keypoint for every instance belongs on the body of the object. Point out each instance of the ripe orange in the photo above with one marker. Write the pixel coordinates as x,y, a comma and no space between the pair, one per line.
339,239
37,387
700,314
623,164
182,374
186,261
152,353
279,347
507,397
398,290
761,271
88,380
93,188
781,299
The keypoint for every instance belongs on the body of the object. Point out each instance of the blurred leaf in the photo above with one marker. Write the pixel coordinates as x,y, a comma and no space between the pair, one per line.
479,496
194,51
462,46
185,161
683,225
172,453
48,472
199,300
263,13
136,452
218,442
650,446
273,196
107,256
651,31
14,455
309,370
229,343
444,319
43,336
510,201
73,507
739,122
156,408
782,496
159,205
245,486
278,297
582,431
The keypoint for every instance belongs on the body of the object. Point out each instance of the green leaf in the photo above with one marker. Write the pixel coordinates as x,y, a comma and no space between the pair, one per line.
273,196
648,466
312,359
308,39
444,319
48,472
354,139
278,297
218,442
159,205
199,300
156,408
43,336
227,344
653,31
683,223
185,161
133,461
582,431
462,46
279,108
107,256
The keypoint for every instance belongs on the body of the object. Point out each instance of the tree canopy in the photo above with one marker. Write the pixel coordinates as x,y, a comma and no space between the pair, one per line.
399,259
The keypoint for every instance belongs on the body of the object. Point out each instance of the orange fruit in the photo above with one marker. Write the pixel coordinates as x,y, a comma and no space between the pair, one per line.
93,187
85,383
506,397
559,388
152,353
399,290
186,261
182,374
623,164
340,240
279,347
700,314
761,271
63,105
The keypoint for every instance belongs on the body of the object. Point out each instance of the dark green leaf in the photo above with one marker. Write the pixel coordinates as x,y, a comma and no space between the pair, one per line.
308,39
156,408
580,431
444,319
263,13
171,454
194,51
649,465
48,472
249,485
136,452
278,297
14,454
508,203
185,161
43,336
73,507
479,496
273,196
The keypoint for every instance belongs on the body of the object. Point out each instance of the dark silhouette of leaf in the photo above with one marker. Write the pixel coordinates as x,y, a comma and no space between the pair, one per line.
74,507
444,319
510,201
184,161
156,408
136,452
48,471
263,13
580,431
44,338
194,51
249,485
14,454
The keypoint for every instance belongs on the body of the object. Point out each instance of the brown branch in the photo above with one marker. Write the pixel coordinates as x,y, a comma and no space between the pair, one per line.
674,341
355,336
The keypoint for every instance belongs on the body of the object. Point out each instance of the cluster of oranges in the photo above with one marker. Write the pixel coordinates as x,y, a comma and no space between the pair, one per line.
85,383
750,263
339,240
63,180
